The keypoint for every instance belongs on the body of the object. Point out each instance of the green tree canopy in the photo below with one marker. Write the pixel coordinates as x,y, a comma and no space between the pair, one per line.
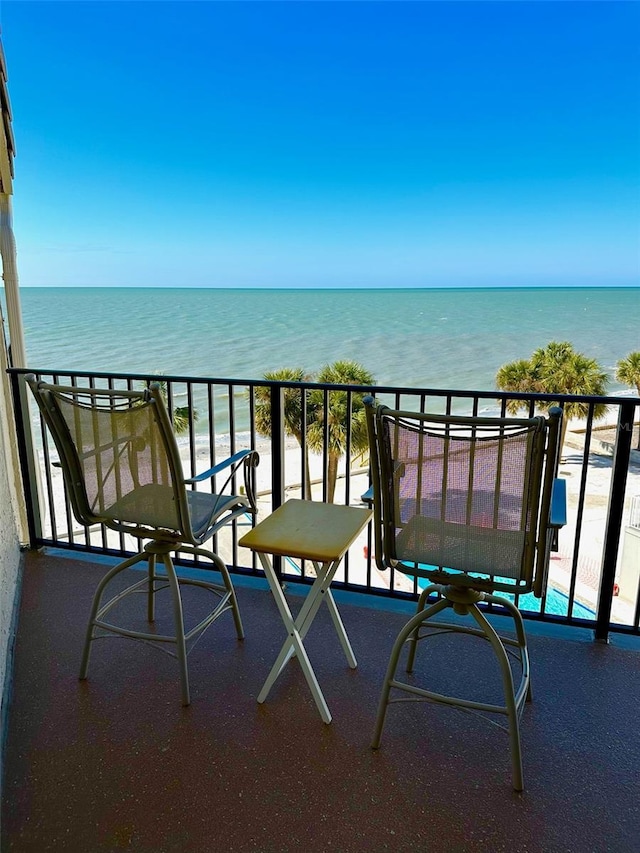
292,402
292,409
179,414
343,414
628,372
556,369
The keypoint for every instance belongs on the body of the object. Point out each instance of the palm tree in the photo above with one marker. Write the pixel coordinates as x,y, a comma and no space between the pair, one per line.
344,415
179,414
628,372
517,376
292,412
556,369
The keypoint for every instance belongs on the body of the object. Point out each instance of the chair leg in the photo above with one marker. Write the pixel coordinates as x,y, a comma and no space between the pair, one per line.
97,600
521,641
151,597
226,577
386,687
151,553
511,705
178,618
513,700
228,584
412,627
413,640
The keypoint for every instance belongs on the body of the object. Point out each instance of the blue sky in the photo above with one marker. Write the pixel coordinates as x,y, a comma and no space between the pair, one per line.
339,144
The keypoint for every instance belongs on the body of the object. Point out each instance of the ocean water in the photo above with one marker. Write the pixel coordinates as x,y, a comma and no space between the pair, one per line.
437,338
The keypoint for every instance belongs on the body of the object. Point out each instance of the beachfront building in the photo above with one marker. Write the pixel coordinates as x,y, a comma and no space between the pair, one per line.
12,508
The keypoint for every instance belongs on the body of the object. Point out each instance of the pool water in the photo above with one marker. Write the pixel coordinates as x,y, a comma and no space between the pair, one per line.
556,603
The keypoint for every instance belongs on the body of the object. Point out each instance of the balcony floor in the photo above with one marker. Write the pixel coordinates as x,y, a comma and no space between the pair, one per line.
116,763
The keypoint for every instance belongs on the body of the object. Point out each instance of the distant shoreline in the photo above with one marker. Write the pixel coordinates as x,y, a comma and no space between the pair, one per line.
382,288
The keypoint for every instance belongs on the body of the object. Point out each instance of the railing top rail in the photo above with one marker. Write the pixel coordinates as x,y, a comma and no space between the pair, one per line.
378,389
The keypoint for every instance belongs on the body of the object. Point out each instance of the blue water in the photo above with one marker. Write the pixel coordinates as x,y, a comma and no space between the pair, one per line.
556,602
448,338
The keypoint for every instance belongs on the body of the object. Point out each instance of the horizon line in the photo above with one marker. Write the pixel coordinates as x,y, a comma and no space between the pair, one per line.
331,287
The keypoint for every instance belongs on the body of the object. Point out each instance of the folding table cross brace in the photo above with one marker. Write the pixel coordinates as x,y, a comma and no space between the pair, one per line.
320,533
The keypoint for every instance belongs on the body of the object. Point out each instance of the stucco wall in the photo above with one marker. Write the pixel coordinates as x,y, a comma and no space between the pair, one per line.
10,558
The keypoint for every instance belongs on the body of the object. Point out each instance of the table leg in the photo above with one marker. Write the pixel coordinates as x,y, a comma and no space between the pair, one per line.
308,610
339,626
297,630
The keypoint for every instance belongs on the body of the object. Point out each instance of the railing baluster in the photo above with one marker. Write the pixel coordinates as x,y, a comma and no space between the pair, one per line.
621,457
26,454
277,457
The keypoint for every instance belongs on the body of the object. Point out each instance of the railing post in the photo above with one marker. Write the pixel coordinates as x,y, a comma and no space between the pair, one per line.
277,458
615,512
28,461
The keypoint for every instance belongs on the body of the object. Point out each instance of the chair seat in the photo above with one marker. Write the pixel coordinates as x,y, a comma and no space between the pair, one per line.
205,508
462,547
153,505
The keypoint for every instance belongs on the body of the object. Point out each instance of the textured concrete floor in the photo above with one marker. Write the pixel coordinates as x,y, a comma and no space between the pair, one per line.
115,763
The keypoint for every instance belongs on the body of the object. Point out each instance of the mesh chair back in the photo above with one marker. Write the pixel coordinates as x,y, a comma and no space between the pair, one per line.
460,497
118,452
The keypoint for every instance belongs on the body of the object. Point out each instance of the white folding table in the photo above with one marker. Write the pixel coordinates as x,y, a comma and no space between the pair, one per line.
320,533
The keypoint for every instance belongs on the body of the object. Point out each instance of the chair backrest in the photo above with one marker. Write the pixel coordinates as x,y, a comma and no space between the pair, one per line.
463,500
119,457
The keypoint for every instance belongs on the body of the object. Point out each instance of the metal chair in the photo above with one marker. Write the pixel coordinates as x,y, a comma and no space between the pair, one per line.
470,505
122,469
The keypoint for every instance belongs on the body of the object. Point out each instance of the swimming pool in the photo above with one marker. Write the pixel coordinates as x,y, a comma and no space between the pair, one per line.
556,603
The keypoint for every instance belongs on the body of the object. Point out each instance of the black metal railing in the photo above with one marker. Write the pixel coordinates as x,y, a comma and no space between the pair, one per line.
590,581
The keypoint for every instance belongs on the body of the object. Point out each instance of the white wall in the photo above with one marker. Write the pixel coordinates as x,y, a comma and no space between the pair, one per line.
9,553
11,511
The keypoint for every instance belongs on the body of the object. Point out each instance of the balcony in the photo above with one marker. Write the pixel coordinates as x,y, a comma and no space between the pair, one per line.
117,763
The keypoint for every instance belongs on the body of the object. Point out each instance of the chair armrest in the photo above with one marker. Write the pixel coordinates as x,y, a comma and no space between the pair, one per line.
558,514
249,459
367,497
221,466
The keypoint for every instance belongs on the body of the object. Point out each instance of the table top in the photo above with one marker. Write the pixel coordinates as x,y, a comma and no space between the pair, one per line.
309,530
